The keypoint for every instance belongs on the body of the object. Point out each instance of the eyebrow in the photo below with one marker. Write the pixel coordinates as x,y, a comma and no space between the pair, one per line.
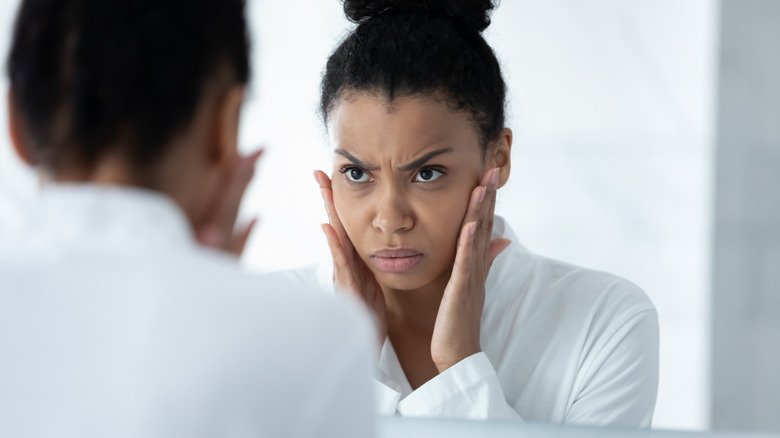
355,160
410,166
425,158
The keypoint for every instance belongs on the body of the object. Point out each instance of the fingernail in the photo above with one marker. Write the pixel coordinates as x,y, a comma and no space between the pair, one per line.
494,178
481,195
314,174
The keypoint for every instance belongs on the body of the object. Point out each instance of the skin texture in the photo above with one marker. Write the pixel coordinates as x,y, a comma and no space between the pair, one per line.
441,208
201,170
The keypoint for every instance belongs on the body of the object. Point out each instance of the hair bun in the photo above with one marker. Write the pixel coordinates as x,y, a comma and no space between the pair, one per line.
472,14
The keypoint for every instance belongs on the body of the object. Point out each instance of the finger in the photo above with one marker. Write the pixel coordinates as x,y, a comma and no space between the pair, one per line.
240,239
325,186
218,212
464,256
486,214
493,193
340,261
241,176
213,211
210,236
475,211
322,179
330,208
475,201
335,221
343,278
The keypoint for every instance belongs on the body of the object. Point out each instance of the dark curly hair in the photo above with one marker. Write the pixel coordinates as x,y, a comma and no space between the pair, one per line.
420,47
88,75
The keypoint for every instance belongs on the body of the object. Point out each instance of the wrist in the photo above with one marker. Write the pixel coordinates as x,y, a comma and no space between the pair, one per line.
444,363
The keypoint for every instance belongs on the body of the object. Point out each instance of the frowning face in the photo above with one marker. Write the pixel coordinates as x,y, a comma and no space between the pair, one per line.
402,177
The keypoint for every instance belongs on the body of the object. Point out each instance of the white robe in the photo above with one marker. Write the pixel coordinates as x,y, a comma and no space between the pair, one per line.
560,344
114,322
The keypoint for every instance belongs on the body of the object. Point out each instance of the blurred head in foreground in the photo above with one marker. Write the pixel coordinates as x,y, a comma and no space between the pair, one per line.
143,93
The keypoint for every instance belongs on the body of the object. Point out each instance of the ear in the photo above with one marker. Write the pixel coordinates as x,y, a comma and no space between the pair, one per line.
16,130
500,153
225,133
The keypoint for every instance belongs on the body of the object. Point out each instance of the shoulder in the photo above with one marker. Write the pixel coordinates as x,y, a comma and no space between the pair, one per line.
316,277
15,219
529,284
309,292
547,303
589,288
229,302
297,291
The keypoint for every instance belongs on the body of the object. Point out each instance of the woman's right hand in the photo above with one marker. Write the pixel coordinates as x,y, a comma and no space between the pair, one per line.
350,274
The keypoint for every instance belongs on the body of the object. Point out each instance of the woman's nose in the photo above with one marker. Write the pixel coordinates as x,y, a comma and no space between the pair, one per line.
392,213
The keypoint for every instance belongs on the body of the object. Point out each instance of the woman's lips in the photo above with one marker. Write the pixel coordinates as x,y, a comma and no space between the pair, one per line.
396,260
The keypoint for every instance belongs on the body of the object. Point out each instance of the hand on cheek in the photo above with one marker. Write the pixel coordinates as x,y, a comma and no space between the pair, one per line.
350,274
456,331
218,228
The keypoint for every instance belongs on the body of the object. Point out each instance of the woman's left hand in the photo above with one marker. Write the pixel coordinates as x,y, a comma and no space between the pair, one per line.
456,332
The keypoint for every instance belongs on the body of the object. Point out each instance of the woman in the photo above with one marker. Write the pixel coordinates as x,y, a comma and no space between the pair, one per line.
113,320
470,323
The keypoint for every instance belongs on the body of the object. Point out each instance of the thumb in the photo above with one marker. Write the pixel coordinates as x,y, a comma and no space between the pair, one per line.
239,240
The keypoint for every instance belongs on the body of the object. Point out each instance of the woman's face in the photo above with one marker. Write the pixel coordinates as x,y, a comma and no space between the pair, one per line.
402,177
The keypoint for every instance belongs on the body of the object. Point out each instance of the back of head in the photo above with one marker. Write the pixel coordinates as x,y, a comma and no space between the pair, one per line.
91,76
411,47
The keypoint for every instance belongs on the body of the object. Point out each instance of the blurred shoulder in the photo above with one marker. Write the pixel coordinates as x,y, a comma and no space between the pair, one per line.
299,290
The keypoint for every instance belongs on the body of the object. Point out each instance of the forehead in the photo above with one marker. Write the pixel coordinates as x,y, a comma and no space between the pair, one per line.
370,124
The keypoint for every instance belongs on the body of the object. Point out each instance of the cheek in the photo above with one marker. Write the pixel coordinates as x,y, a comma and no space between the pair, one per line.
438,216
444,217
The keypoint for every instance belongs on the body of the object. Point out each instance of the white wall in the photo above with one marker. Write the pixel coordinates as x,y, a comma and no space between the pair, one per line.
611,104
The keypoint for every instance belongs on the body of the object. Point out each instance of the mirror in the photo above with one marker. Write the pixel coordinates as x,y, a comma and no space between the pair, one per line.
645,145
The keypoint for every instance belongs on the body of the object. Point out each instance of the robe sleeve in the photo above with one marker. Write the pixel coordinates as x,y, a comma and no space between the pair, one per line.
469,389
621,384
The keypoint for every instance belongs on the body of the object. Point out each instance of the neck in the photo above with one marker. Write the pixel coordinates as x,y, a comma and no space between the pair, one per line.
187,181
414,311
110,170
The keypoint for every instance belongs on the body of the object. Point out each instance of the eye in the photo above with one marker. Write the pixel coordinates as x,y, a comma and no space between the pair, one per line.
355,174
428,174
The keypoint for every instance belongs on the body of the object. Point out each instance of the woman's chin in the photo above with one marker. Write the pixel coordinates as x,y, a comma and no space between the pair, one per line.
405,281
412,280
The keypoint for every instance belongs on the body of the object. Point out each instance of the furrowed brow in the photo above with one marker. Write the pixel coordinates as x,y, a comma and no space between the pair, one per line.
424,159
355,160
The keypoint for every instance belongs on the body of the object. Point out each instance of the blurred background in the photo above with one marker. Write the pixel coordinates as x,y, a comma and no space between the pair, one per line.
617,166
